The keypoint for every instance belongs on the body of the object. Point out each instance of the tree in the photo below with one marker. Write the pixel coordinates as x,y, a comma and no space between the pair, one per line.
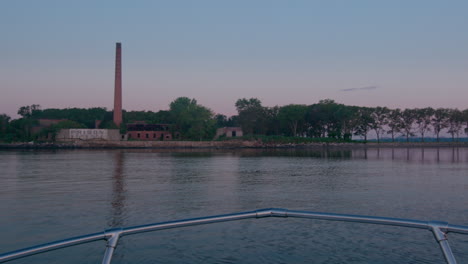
21,128
347,116
423,120
379,117
292,118
315,121
271,123
4,120
364,122
251,116
455,122
192,120
439,121
202,124
465,119
83,116
221,120
394,122
24,111
224,121
24,125
162,116
329,119
4,126
52,131
408,116
28,111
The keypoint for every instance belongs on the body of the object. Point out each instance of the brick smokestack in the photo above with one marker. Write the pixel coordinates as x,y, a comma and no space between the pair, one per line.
118,85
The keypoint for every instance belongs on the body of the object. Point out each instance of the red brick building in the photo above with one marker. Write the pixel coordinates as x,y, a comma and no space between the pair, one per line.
141,131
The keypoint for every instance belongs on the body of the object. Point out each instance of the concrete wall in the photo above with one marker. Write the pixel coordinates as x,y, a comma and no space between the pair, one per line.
164,144
88,134
229,132
249,144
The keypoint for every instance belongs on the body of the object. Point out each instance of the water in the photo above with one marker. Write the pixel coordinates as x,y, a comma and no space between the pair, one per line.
51,195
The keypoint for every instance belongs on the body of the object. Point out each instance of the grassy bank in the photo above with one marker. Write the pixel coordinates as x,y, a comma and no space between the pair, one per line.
287,140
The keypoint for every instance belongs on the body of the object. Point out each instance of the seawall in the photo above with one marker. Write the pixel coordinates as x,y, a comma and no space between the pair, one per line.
229,144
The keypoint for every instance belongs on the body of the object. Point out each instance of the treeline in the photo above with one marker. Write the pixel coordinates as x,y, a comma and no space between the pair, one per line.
325,119
328,119
190,119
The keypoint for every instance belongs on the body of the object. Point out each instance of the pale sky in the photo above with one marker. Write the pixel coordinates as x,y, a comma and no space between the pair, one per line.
395,53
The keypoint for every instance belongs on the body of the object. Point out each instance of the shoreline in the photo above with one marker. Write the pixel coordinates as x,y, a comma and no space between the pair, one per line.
230,144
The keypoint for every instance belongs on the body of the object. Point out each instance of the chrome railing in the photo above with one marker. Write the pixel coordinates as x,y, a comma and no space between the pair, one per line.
439,229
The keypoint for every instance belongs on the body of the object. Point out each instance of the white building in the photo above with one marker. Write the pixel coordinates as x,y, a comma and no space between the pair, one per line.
88,134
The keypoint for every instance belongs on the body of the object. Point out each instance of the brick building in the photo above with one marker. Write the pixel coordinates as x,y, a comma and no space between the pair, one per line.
142,131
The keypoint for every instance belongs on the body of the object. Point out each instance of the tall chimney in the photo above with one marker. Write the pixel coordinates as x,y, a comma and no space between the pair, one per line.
118,85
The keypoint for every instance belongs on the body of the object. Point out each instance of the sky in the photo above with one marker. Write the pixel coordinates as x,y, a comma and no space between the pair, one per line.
399,53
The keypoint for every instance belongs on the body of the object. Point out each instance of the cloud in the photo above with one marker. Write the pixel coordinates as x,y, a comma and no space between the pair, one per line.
359,89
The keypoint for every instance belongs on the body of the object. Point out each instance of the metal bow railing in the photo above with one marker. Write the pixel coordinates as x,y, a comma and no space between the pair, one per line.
439,229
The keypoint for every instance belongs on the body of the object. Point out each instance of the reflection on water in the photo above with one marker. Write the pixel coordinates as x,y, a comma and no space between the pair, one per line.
49,195
430,155
425,155
118,191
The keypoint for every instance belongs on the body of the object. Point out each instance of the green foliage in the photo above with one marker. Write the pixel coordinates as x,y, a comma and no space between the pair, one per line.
286,140
191,120
29,110
160,117
271,124
394,122
83,116
380,119
67,124
53,130
423,120
5,133
252,116
292,119
4,121
408,117
22,129
329,119
109,124
224,121
324,120
439,120
465,119
454,123
364,122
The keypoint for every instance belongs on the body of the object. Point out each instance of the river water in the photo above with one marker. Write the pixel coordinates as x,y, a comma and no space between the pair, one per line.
51,195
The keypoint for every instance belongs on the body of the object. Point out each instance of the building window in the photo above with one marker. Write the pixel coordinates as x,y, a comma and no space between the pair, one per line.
138,135
147,135
234,134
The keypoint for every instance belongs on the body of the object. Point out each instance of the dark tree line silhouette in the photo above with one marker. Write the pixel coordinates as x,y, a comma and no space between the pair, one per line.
325,119
333,120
